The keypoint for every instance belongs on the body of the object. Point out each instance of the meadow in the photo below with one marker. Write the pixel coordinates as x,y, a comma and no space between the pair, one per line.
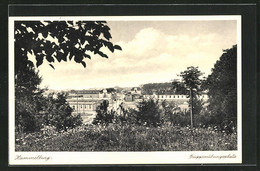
114,137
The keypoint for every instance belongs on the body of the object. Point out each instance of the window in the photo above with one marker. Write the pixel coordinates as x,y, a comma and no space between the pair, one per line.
162,96
173,96
170,96
178,97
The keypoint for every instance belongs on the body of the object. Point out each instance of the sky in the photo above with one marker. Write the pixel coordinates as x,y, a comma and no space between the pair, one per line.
152,51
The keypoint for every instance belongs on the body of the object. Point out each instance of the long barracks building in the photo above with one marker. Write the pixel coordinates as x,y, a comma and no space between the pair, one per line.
85,102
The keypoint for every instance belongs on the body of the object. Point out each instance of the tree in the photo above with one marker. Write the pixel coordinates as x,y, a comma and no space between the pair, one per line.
148,113
51,41
192,82
150,87
179,88
169,110
58,113
28,100
60,40
103,115
197,104
222,87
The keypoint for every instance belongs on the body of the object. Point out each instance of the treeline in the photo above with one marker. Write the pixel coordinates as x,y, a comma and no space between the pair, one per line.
152,113
156,87
174,87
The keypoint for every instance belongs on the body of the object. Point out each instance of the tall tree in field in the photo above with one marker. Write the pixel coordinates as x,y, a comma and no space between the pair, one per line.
50,41
222,86
192,82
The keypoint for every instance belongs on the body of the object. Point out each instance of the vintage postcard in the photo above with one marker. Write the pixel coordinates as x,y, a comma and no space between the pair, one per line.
125,90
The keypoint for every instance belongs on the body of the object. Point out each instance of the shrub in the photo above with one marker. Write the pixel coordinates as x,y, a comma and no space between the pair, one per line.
148,113
222,86
181,118
27,115
103,115
58,113
129,138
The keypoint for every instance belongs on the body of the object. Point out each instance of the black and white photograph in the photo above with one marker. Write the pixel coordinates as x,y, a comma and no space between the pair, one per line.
125,90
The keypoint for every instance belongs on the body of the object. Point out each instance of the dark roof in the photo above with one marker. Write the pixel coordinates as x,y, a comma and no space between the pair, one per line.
165,92
110,90
85,91
138,88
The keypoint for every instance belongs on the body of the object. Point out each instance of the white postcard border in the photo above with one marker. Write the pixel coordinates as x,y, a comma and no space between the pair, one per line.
177,157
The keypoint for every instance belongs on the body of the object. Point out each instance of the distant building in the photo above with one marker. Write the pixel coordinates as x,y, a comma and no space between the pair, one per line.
85,102
168,95
128,97
136,90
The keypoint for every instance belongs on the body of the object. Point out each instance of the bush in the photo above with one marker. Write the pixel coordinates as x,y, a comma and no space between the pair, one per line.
103,115
148,113
28,98
27,115
129,138
58,113
222,86
181,119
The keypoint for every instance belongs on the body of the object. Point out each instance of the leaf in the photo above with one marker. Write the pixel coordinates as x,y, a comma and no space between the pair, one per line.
30,63
107,35
117,47
87,56
52,66
30,51
70,55
84,64
39,59
102,54
110,46
78,58
45,34
49,58
82,40
64,56
59,56
70,22
38,63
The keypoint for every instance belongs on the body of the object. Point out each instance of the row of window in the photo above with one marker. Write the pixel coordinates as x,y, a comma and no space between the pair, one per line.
82,106
182,96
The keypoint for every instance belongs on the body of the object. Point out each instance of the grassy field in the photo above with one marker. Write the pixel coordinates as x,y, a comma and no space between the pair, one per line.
128,138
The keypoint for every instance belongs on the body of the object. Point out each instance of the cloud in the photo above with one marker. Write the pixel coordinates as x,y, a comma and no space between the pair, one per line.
151,56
